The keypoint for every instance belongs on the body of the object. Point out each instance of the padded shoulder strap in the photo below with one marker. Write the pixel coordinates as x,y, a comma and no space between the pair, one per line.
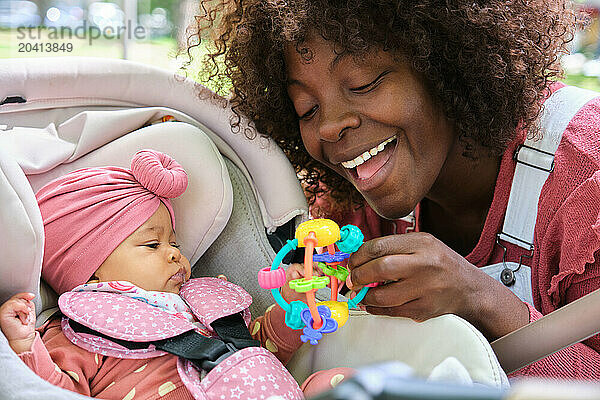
214,298
121,317
204,352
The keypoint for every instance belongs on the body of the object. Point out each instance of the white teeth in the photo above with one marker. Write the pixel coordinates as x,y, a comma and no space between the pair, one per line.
366,155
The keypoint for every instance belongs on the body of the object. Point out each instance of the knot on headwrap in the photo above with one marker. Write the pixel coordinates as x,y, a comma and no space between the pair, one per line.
159,173
87,213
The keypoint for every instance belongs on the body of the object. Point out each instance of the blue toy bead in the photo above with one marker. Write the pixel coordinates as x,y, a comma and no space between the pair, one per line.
351,239
314,335
339,256
293,317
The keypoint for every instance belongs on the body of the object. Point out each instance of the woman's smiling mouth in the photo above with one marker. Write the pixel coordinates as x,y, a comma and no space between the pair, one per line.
367,165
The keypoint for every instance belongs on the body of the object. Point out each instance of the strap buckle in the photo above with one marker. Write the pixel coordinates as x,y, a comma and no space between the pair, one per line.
507,275
208,365
548,169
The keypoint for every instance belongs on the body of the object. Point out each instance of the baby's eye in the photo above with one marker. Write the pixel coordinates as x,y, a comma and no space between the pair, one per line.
176,245
152,245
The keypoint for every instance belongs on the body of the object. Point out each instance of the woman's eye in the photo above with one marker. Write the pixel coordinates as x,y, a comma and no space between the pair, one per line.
309,114
371,85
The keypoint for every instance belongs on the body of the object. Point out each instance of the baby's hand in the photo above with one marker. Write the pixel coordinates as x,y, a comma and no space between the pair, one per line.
17,321
296,271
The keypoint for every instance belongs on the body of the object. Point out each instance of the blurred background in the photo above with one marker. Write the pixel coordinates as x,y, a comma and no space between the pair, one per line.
146,31
150,31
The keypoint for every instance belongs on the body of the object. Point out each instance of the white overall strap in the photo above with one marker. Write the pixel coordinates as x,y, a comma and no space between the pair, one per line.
564,326
535,161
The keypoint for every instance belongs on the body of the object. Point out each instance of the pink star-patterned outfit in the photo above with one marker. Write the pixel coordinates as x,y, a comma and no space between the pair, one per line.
97,367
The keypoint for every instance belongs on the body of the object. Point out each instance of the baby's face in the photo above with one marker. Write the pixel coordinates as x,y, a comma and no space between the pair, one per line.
149,257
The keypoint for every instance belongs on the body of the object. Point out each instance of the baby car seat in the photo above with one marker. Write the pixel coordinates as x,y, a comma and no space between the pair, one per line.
243,201
58,115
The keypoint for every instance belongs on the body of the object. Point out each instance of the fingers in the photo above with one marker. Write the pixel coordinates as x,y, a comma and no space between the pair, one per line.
386,268
394,294
413,310
24,295
296,271
19,308
408,243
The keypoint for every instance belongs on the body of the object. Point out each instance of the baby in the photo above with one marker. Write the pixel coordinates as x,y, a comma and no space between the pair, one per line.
130,312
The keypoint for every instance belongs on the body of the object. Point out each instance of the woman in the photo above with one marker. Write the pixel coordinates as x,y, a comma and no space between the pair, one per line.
405,106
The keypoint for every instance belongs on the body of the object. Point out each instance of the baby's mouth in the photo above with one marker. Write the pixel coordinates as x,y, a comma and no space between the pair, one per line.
371,161
179,277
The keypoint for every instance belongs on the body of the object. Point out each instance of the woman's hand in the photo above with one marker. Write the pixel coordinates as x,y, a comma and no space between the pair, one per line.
424,278
17,321
296,271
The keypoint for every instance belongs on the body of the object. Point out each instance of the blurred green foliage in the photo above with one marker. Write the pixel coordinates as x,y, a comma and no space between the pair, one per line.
586,82
161,52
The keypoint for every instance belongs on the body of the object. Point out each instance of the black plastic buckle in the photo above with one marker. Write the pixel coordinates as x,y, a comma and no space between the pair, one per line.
208,365
13,100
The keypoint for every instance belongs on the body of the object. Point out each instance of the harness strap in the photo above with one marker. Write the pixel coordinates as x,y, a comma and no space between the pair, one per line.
79,328
232,329
204,352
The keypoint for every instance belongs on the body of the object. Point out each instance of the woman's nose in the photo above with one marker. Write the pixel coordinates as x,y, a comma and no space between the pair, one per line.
335,122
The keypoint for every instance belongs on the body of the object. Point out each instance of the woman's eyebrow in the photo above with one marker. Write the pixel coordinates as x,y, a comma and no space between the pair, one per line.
336,61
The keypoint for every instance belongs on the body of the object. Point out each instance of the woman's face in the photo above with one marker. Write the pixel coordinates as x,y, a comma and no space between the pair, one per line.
372,121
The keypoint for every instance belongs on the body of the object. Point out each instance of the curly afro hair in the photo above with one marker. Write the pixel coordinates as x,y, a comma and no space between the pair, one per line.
487,63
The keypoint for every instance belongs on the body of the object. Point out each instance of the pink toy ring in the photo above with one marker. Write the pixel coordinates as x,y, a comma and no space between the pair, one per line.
268,279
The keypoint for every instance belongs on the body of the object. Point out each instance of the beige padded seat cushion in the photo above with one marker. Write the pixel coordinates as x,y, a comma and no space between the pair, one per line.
369,339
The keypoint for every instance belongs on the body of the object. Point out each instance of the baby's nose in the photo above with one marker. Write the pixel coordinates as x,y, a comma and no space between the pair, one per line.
174,255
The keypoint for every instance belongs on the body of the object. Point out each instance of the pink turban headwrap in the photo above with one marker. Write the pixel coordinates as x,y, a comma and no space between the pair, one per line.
89,212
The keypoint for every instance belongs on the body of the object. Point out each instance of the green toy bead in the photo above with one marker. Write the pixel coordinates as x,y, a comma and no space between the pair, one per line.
351,239
302,285
340,272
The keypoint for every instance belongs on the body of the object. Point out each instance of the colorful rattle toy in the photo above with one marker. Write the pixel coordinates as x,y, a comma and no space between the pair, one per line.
324,317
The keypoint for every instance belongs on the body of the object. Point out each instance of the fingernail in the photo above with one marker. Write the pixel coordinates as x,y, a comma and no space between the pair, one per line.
349,282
